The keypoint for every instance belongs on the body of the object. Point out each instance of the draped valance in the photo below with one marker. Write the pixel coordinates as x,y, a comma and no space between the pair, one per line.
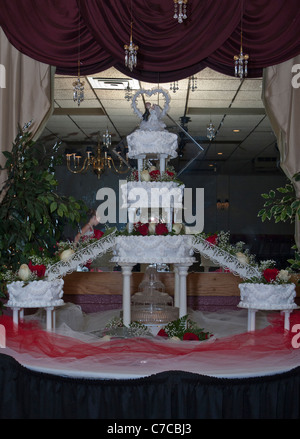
48,31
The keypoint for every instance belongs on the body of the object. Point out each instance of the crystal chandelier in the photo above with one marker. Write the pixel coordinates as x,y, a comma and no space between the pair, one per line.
174,86
98,161
210,131
180,10
78,93
241,62
78,86
131,53
128,93
193,83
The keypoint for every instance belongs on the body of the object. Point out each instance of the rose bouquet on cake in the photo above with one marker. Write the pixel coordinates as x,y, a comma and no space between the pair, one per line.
153,228
150,173
269,274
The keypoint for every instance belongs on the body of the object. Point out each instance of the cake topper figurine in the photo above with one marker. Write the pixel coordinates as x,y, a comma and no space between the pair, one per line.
151,119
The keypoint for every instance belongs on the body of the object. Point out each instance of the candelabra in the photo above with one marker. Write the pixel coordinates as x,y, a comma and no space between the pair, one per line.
98,161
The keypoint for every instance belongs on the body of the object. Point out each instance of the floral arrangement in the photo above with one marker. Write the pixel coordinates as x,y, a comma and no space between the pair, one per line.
115,327
149,229
222,240
151,173
181,329
271,275
267,269
37,264
184,329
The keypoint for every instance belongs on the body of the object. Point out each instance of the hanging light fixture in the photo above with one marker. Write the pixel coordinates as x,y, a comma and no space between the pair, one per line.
128,93
131,53
98,161
210,131
180,10
78,90
241,60
78,93
193,83
174,86
241,63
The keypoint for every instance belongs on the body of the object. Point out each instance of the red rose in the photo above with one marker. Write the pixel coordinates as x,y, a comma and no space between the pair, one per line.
170,174
154,174
270,274
161,229
135,175
162,333
39,270
98,234
142,228
190,336
212,239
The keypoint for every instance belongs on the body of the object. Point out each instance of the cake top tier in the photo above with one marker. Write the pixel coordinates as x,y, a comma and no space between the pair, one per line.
152,138
152,143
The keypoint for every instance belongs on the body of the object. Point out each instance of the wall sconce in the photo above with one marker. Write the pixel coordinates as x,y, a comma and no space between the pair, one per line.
222,205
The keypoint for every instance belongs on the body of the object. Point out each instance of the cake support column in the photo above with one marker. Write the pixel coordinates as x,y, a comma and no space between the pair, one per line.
126,272
182,276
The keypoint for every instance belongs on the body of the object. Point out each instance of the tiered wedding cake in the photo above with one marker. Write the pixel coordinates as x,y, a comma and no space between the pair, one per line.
154,200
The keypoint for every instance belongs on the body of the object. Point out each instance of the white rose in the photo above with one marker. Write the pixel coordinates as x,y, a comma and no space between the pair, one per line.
24,272
243,259
153,168
106,338
145,176
151,229
284,276
66,254
174,338
177,228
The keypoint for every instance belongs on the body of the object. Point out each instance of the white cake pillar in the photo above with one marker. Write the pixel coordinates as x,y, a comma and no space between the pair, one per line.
131,218
140,161
176,289
182,273
162,162
126,272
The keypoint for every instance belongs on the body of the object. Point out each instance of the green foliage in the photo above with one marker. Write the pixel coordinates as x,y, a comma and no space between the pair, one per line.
280,205
283,205
180,327
32,213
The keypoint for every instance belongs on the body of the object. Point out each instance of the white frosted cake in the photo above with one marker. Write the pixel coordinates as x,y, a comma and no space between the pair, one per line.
154,249
153,199
35,294
267,296
142,142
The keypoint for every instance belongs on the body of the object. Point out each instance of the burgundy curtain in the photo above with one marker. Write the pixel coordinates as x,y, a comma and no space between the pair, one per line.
48,31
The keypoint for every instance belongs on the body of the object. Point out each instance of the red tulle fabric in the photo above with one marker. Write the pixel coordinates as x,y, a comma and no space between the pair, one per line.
30,338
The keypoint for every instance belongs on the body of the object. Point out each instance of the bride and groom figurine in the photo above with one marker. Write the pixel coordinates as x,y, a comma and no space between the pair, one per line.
152,118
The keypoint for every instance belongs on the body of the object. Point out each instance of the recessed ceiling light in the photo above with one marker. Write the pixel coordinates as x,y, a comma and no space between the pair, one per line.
236,131
220,153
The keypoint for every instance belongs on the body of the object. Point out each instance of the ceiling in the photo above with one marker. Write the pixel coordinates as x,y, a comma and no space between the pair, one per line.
228,102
